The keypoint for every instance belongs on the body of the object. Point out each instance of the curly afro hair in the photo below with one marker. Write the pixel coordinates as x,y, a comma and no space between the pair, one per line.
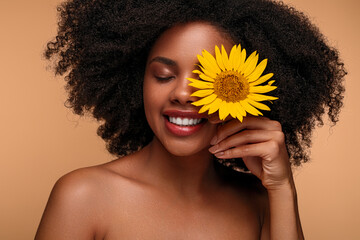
102,47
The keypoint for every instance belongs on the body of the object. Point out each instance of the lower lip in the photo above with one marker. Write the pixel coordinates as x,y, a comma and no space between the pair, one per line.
182,131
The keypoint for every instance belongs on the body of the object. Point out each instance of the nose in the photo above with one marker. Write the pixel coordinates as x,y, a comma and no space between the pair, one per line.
182,91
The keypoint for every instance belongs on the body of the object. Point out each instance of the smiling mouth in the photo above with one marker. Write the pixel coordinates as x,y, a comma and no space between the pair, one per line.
185,121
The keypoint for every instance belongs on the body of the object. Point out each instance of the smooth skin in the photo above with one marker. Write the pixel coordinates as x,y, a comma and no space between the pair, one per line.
169,189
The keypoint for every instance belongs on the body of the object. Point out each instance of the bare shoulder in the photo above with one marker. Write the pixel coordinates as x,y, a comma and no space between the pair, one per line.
71,209
88,186
78,201
79,185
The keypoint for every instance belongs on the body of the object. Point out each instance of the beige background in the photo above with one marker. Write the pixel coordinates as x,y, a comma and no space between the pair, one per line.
41,140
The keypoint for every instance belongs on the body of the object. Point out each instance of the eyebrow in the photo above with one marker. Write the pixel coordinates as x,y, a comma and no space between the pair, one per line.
164,60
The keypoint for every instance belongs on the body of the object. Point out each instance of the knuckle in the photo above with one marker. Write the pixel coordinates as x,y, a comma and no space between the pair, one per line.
279,136
277,125
228,152
245,149
274,146
222,144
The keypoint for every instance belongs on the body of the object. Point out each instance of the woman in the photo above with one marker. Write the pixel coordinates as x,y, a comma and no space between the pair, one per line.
129,64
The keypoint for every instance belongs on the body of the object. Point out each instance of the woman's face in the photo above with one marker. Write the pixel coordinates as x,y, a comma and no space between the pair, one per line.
167,101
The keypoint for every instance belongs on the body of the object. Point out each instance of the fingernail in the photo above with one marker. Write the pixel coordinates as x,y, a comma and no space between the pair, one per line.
213,141
219,154
213,149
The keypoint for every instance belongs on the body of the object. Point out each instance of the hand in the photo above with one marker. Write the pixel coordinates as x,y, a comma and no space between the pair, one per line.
260,142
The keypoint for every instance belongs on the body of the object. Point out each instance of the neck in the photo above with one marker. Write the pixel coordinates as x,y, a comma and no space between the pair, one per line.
186,175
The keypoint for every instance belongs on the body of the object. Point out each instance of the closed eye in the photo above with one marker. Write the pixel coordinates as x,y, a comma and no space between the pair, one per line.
164,79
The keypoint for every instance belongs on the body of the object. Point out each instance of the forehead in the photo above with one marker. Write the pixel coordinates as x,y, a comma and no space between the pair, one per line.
187,40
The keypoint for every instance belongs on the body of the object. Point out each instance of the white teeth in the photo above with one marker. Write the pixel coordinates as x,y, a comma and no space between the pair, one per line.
184,121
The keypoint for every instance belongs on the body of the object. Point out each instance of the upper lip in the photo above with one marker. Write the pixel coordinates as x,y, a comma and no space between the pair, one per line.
184,114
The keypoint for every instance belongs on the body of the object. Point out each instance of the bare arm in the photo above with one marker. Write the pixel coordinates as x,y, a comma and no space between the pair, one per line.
282,220
284,213
261,144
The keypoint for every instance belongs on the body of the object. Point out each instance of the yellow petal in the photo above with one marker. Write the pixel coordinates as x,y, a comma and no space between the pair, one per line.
260,97
205,100
232,57
225,58
207,65
237,58
214,106
258,105
204,108
200,84
250,109
232,109
258,71
241,113
242,59
192,79
206,78
271,82
209,73
203,76
219,58
212,61
197,71
223,110
202,93
262,89
246,62
251,64
240,109
240,117
262,79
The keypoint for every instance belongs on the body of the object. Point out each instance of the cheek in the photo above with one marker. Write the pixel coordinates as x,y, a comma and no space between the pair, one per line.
152,101
150,92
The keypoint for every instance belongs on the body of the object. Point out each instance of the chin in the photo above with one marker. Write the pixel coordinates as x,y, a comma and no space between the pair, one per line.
187,149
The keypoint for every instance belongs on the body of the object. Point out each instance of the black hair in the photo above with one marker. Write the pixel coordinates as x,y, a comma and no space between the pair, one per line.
102,47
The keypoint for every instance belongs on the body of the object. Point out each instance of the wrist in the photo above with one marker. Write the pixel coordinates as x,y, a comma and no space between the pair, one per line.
286,188
283,208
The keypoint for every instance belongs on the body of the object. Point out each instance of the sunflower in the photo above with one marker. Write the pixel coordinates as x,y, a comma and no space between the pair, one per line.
231,84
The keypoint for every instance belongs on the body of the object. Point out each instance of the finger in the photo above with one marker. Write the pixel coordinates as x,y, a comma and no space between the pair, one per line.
241,138
254,165
265,150
249,122
214,118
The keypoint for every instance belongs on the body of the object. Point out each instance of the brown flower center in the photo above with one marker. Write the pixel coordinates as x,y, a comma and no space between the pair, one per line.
231,86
